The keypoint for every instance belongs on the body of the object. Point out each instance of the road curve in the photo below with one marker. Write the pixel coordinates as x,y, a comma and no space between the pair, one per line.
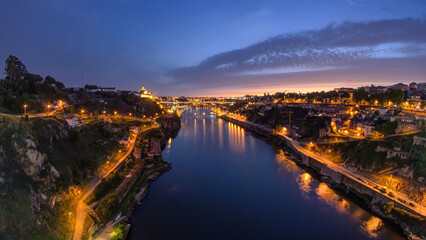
82,209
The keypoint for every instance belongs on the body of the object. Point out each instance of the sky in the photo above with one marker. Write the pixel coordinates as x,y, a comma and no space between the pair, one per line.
220,47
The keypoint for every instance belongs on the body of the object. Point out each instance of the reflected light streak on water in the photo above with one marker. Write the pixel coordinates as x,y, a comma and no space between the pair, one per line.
265,195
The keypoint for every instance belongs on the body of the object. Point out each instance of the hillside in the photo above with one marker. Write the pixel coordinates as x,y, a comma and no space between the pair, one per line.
42,161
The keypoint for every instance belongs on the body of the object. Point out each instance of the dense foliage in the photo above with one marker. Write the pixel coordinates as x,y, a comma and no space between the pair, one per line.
21,87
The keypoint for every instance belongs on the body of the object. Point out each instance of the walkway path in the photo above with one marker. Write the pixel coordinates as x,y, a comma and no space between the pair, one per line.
82,209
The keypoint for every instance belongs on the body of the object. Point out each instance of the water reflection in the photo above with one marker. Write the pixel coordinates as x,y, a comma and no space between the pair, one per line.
236,138
304,182
285,164
327,195
313,189
372,226
206,192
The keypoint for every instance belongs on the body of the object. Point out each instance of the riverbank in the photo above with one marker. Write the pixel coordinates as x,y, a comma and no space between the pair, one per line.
118,228
413,227
113,201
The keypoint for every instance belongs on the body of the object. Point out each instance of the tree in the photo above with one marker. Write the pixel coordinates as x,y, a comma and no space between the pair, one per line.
48,80
396,96
88,86
388,207
389,128
345,94
14,68
360,95
423,105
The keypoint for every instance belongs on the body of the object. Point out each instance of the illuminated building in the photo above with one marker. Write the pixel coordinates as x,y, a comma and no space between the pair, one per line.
145,93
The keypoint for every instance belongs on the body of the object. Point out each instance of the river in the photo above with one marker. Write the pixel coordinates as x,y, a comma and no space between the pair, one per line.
227,184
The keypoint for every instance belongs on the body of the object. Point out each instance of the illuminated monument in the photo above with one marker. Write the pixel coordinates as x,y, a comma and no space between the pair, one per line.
145,93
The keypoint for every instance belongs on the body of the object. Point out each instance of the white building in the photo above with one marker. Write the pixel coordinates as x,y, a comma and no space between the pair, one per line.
419,141
367,129
145,93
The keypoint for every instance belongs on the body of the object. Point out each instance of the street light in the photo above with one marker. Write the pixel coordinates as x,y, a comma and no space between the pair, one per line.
130,114
82,111
25,109
115,113
104,112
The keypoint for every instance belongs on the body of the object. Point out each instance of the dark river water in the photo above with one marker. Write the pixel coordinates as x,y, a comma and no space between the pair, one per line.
227,184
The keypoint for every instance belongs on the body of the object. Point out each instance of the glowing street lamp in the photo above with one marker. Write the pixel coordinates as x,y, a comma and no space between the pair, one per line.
82,111
25,109
115,113
104,112
130,114
60,103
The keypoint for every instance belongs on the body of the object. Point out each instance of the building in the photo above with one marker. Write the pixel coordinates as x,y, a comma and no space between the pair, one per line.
366,128
403,87
343,89
155,148
383,111
134,129
405,117
102,89
75,89
145,93
397,153
422,87
415,99
137,153
374,89
413,86
405,127
391,153
72,121
124,141
419,141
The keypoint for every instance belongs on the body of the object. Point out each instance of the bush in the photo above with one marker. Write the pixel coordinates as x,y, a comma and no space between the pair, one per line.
388,128
107,207
388,207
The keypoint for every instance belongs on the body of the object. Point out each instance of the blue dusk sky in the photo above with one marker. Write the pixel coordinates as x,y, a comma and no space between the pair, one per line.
220,47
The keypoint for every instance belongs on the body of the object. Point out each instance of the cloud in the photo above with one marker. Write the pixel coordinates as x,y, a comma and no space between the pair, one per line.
347,46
